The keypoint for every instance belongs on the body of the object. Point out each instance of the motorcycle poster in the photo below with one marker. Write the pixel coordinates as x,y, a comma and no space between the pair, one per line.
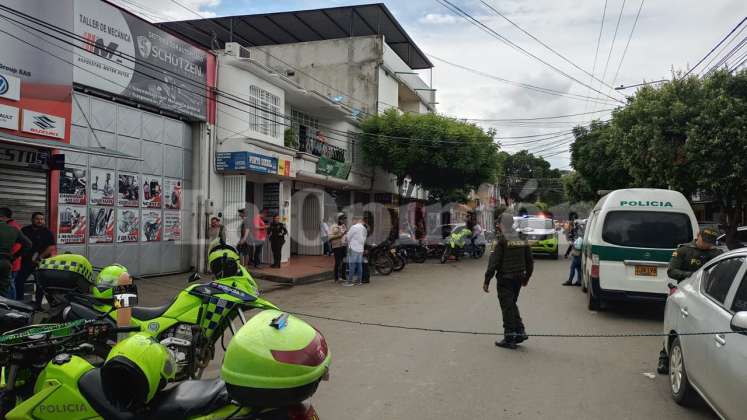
71,225
172,194
128,225
102,187
172,226
151,227
128,193
101,226
152,192
72,186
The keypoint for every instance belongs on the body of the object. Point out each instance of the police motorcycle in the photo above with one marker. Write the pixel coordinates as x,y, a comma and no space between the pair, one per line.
454,244
189,325
273,364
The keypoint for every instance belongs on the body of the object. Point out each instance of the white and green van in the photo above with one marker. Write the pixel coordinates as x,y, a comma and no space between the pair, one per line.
628,242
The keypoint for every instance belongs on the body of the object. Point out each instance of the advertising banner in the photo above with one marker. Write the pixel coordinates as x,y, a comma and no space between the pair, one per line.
172,194
102,187
333,168
138,60
101,226
71,225
247,161
73,186
24,157
128,225
172,226
36,75
151,228
128,190
152,191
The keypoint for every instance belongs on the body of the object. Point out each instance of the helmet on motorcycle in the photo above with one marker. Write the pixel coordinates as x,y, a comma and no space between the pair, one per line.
107,278
70,272
224,260
136,368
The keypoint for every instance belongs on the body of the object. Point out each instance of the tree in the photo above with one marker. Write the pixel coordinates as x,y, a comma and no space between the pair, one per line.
528,178
436,152
598,161
577,189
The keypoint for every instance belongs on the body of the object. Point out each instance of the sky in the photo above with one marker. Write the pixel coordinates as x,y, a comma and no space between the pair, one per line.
670,35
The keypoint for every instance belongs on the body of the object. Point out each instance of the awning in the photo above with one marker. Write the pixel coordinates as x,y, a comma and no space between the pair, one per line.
51,144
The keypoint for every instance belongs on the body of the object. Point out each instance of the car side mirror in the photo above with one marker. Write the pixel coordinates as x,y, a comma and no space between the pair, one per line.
739,322
194,277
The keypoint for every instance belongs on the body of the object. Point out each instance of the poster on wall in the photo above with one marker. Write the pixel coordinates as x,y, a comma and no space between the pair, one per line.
102,187
128,225
71,225
166,68
72,186
128,190
101,225
151,229
172,226
172,197
152,192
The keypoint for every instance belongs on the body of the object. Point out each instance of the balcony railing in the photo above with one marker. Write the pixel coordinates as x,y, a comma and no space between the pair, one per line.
320,148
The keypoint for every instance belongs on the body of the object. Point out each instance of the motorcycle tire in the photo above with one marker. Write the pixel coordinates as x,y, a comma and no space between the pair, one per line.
445,256
478,252
419,255
398,263
383,264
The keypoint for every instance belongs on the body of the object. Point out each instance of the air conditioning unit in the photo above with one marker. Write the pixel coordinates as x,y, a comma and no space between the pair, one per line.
236,50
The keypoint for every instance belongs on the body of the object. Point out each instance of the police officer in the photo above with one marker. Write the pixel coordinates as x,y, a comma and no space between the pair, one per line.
686,260
512,264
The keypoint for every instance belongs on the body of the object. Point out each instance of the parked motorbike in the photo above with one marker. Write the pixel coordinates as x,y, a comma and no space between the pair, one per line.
474,250
454,245
399,258
412,249
45,376
380,257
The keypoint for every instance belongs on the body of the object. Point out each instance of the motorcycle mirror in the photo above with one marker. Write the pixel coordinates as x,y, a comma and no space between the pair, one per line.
194,277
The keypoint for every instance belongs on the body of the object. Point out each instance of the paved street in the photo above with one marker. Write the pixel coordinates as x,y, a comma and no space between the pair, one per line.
381,373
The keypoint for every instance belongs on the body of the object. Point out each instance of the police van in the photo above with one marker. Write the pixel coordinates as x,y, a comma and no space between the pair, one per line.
629,239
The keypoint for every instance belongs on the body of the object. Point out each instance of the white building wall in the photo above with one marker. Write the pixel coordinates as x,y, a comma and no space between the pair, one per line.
388,91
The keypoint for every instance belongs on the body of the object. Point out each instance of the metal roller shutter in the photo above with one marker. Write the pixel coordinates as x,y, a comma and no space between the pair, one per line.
24,191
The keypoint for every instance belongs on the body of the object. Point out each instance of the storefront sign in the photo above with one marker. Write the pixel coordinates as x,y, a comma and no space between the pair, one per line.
151,227
128,193
10,87
173,193
168,72
101,226
172,226
284,167
262,164
102,187
71,225
333,168
247,161
73,186
152,192
24,157
128,225
43,124
8,117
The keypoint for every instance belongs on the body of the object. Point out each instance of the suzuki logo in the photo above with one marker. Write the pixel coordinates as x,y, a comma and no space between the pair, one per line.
43,122
4,85
144,45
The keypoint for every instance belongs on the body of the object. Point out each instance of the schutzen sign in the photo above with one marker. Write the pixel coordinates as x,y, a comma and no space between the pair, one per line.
43,124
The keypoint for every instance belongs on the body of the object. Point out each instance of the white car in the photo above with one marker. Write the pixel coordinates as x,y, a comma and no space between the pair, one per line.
741,238
714,301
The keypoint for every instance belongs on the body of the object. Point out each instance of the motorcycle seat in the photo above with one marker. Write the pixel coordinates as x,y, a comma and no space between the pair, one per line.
92,390
14,304
190,399
146,313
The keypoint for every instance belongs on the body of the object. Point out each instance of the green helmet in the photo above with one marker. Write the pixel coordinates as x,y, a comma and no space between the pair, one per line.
106,280
65,272
136,368
224,261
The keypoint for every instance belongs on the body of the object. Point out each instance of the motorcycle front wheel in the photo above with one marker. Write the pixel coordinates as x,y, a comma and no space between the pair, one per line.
383,264
398,262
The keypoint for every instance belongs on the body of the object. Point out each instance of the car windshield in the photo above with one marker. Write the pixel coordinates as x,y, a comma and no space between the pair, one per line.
536,224
647,229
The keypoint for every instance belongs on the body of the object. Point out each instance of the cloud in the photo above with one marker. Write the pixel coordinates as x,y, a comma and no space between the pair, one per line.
438,19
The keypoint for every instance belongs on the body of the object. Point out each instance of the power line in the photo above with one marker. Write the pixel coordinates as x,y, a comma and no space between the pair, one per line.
476,22
536,118
627,44
726,57
614,37
596,53
741,22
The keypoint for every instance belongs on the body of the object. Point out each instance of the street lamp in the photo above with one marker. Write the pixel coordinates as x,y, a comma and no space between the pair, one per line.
623,87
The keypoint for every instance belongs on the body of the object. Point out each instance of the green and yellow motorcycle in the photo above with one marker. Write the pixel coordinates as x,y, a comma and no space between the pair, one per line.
189,325
271,367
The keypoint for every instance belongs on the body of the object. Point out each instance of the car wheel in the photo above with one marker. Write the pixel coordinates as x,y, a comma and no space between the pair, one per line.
595,303
682,392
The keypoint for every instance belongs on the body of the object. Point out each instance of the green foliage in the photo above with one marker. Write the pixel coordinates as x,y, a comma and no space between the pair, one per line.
528,178
443,155
577,189
598,159
290,138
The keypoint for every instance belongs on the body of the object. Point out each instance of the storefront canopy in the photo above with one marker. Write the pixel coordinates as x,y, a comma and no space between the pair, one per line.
51,144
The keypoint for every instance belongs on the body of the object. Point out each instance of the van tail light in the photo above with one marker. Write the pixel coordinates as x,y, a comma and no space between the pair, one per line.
595,265
302,412
672,288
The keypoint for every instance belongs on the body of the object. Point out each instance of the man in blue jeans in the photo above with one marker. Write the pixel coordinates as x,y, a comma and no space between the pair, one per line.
356,239
575,263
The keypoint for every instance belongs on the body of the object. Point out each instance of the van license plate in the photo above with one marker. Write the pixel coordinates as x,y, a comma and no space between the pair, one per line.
645,270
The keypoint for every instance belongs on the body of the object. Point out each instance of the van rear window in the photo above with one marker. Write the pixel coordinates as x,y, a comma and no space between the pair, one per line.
647,229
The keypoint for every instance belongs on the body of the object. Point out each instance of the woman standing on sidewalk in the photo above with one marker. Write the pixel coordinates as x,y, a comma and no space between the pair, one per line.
336,239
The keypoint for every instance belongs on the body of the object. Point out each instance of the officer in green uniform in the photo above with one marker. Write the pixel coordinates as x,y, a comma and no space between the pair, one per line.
686,260
512,264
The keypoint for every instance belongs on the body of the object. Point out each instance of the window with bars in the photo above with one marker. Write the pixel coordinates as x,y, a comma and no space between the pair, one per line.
266,117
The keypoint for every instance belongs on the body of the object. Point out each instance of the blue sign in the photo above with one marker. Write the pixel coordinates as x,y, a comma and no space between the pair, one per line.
4,85
245,161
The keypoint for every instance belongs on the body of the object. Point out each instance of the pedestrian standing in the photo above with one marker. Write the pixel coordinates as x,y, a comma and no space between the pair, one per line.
260,236
324,231
277,233
16,264
356,240
337,242
511,263
9,236
575,264
686,260
216,231
43,246
243,245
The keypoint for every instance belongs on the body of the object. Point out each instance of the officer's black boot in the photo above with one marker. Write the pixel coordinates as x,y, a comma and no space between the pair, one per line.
521,336
663,366
508,341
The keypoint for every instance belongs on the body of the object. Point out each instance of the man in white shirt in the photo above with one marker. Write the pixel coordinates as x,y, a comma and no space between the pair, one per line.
356,239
